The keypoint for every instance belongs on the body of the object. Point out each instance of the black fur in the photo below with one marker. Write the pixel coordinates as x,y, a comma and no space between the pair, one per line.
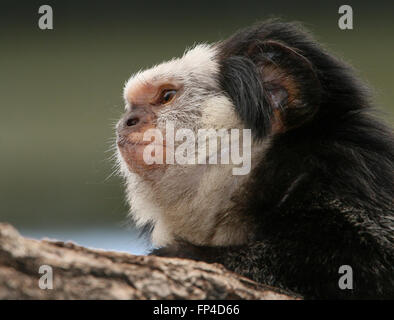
242,82
323,196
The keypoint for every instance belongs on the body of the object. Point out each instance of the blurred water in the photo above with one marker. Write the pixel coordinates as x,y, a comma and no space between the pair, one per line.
98,238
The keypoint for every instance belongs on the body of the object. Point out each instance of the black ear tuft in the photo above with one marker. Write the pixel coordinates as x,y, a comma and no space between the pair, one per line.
273,86
242,81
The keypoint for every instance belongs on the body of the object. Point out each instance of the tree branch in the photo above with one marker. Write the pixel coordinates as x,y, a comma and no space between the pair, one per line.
81,273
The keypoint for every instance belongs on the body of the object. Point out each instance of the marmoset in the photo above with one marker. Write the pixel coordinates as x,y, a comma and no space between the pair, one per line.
319,192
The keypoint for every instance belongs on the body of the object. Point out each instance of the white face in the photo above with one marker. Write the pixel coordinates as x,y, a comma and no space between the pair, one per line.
195,77
179,200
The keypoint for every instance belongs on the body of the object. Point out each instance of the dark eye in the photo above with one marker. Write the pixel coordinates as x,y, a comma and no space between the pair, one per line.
167,95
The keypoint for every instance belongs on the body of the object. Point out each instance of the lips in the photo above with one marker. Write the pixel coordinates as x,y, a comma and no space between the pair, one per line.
136,140
132,152
122,141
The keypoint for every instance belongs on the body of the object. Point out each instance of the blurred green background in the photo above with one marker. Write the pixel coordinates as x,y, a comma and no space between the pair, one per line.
61,93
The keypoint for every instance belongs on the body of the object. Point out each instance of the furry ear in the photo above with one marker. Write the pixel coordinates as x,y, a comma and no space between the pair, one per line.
273,86
290,84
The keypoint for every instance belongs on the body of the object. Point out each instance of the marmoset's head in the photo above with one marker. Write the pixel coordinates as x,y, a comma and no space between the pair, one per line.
196,126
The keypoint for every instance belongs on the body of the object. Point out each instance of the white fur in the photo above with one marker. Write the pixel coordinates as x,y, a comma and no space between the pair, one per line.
199,61
184,201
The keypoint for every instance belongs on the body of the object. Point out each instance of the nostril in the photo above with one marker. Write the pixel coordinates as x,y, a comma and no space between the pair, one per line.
132,121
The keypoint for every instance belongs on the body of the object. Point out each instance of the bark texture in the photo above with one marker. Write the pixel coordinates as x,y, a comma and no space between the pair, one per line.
82,273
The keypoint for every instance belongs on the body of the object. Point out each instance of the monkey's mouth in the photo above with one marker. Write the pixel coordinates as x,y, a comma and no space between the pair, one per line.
134,155
122,142
126,144
135,140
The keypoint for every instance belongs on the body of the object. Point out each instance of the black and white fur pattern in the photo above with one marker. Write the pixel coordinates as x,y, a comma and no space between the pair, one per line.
320,193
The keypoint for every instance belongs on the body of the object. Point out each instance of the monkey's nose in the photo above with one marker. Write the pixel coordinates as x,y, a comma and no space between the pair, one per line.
134,121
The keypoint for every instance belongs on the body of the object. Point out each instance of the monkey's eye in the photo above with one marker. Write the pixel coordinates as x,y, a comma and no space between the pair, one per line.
166,96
